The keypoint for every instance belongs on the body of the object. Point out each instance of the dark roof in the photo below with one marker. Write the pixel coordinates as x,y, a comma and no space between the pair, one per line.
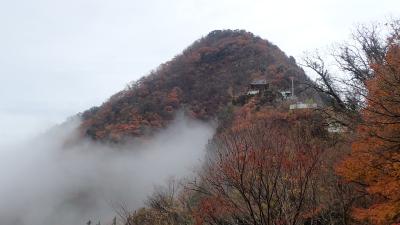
259,82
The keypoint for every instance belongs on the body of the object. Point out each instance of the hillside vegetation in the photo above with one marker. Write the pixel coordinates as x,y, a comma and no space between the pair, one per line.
202,81
272,162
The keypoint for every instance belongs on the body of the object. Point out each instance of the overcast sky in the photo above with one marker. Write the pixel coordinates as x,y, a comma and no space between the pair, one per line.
58,58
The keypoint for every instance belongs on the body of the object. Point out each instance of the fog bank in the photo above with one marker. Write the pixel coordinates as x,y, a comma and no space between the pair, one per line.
42,182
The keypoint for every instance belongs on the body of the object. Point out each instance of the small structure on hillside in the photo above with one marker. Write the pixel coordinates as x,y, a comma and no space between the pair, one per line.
301,105
253,92
289,94
286,94
335,127
257,86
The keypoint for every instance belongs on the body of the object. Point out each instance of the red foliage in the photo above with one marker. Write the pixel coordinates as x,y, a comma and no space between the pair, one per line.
201,80
263,170
375,159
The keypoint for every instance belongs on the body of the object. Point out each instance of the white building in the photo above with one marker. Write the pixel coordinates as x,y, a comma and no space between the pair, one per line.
286,94
253,92
300,105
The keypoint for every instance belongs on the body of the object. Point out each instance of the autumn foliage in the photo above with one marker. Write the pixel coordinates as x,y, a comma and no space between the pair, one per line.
266,164
265,169
374,163
201,81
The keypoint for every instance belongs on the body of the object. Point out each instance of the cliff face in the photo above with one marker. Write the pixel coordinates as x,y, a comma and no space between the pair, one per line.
202,80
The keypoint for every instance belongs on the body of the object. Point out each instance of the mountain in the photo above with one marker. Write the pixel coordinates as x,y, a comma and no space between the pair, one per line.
202,81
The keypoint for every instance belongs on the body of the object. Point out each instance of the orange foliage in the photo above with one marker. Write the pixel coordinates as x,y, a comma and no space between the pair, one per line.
375,159
263,170
201,81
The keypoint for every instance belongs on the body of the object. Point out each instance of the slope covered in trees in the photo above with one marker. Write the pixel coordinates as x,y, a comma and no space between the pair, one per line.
267,164
375,160
202,81
271,166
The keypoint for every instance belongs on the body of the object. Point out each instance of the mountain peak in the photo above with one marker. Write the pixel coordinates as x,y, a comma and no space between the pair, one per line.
202,80
217,34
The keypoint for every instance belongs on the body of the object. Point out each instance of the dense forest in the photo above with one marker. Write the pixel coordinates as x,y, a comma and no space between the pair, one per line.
268,163
203,80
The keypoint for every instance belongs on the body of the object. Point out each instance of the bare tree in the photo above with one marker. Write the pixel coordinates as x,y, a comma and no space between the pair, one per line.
163,207
263,174
346,90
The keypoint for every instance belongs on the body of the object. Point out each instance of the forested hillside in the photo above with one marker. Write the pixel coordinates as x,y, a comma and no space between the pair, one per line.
272,162
202,80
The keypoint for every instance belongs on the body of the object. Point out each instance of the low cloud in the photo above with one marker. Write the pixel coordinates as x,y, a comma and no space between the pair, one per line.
43,182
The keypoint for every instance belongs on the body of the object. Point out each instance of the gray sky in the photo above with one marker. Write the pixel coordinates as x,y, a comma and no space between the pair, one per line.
58,58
